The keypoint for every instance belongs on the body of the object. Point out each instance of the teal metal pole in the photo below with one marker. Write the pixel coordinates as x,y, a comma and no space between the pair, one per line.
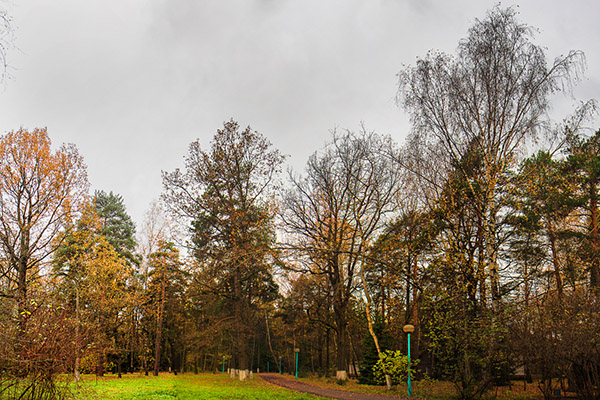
280,366
223,364
409,390
296,365
267,366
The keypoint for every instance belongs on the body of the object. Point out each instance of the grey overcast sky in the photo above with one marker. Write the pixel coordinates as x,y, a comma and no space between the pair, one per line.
133,82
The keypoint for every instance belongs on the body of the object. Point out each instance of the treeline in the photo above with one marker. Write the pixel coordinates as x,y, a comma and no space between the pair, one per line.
481,230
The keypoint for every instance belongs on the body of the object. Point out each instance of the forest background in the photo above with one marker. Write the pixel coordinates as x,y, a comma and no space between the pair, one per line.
481,230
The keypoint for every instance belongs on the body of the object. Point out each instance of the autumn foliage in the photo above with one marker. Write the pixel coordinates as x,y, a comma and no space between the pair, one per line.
492,253
41,192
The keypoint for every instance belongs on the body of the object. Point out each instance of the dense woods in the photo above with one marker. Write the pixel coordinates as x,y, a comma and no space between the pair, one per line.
481,230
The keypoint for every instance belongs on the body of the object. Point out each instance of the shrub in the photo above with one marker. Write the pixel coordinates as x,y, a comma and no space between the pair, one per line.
32,358
396,365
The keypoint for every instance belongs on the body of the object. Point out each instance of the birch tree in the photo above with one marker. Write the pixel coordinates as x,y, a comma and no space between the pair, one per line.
489,98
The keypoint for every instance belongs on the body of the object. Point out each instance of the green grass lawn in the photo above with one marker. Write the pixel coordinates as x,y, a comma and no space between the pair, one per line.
181,387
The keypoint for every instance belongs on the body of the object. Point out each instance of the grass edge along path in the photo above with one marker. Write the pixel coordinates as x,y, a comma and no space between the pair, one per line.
340,394
182,387
433,389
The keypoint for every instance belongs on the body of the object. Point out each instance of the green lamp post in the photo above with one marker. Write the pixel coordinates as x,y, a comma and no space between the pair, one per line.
223,364
408,329
297,350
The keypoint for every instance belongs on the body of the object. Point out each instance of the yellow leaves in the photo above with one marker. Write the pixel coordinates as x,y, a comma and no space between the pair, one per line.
102,275
26,159
106,278
38,188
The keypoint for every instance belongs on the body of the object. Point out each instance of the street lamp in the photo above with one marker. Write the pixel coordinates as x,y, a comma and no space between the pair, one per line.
223,364
408,329
279,365
297,350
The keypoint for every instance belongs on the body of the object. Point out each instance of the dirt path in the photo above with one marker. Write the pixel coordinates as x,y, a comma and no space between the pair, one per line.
300,386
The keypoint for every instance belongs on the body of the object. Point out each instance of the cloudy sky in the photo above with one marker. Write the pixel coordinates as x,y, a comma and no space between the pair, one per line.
133,82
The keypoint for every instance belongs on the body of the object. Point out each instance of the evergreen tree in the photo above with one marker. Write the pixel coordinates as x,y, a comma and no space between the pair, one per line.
117,226
166,293
369,353
583,164
226,193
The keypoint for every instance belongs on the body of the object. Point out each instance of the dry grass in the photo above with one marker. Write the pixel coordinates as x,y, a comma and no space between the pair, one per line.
434,390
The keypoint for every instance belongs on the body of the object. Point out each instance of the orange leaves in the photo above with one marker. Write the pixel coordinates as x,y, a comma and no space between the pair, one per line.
40,190
37,184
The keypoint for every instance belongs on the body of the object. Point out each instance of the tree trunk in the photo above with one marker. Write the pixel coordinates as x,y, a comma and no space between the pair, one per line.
182,364
145,355
159,321
383,299
354,357
99,361
526,279
388,379
595,240
341,359
257,357
240,327
22,293
481,275
327,362
320,353
415,314
555,262
489,232
269,338
76,372
132,342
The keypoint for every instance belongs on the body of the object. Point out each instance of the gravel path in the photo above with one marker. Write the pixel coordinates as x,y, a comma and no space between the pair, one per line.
300,386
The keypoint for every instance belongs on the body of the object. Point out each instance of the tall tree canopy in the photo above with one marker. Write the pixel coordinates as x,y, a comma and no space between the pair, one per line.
6,41
117,226
583,163
334,214
486,100
40,192
225,193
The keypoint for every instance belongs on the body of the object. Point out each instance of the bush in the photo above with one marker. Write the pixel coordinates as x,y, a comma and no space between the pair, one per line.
558,337
396,365
470,343
33,358
89,364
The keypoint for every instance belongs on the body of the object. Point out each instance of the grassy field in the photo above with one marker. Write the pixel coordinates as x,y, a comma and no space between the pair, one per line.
181,387
220,386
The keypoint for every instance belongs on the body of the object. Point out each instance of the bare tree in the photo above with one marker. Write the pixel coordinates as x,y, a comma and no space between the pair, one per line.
156,228
334,214
6,42
487,100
